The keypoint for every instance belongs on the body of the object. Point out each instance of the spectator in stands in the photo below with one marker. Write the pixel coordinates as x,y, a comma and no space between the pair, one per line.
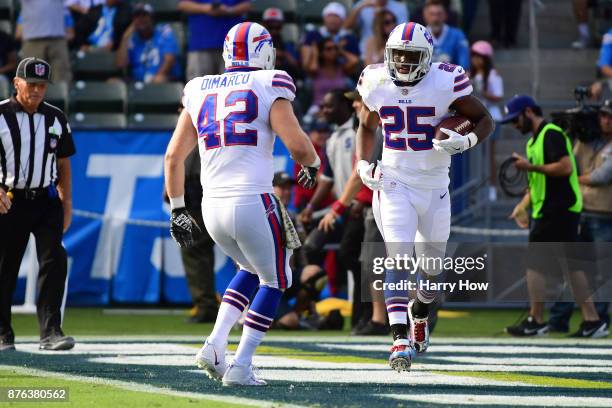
469,9
505,16
8,56
450,44
209,22
581,13
68,25
103,25
384,23
489,88
362,16
286,52
80,8
333,17
149,51
329,67
452,17
594,160
318,131
603,89
44,35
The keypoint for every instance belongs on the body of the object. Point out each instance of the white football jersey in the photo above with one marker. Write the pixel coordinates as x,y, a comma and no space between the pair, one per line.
231,113
409,116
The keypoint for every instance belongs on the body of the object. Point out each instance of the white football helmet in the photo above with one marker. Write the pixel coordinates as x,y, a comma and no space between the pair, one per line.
248,45
409,48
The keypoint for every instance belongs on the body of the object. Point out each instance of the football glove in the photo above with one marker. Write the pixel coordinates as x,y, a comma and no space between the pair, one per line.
456,143
182,226
307,177
366,172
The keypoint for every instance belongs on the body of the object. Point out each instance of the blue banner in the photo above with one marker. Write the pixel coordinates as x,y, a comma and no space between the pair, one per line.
119,246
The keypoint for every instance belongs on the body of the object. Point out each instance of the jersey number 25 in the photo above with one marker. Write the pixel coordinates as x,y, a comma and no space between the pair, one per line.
210,128
394,129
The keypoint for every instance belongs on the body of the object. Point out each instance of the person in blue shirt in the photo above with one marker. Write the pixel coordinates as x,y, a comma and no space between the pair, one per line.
209,21
603,89
150,51
450,44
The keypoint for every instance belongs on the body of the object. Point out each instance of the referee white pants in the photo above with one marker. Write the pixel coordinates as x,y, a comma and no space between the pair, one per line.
412,219
249,230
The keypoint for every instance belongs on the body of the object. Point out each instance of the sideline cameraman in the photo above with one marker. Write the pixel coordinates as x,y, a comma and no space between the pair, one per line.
556,202
594,159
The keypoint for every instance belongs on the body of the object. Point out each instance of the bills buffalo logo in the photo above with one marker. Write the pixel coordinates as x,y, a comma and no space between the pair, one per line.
39,69
270,210
261,40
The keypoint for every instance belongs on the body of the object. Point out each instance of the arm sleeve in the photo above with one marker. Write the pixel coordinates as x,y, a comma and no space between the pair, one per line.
461,85
365,89
554,147
603,174
605,54
282,86
65,147
168,44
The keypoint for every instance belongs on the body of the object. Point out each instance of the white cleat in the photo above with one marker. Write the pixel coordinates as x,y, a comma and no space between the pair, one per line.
419,330
401,356
241,375
211,359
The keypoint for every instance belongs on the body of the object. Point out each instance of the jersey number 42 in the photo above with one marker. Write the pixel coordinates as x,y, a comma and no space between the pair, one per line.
209,127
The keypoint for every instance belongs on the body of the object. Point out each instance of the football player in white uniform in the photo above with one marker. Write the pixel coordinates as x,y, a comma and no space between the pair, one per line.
409,96
233,118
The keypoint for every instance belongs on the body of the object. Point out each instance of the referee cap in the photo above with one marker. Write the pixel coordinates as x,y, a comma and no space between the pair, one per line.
34,70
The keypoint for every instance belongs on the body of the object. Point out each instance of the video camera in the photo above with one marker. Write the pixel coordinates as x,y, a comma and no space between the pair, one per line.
580,122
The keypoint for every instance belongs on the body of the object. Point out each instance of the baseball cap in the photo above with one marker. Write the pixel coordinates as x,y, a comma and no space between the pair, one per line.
516,106
34,70
143,8
272,14
281,178
335,8
606,107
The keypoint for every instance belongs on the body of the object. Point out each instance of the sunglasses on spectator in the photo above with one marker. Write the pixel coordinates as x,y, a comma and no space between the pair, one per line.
389,22
330,48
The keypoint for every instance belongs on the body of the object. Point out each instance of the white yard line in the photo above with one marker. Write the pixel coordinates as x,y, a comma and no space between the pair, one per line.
133,386
511,400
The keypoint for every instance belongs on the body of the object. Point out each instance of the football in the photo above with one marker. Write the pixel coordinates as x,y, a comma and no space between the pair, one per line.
459,124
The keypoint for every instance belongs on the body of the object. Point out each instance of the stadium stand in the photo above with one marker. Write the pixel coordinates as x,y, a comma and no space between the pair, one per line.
165,10
57,95
98,120
96,65
7,10
95,96
152,121
154,98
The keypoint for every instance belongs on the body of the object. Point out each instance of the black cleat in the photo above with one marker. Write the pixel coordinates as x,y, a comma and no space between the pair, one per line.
372,328
56,340
7,343
528,327
592,330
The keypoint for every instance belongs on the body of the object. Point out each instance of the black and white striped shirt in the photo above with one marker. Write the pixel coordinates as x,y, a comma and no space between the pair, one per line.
30,145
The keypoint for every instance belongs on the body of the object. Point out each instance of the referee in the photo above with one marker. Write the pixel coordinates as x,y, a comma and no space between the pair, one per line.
35,197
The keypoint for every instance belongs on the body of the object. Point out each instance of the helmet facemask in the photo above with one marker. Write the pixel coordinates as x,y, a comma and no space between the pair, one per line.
408,63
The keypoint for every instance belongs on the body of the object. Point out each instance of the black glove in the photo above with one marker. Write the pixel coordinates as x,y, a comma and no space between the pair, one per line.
182,226
307,177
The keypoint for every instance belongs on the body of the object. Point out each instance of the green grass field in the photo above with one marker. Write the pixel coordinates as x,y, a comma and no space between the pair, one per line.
93,321
146,360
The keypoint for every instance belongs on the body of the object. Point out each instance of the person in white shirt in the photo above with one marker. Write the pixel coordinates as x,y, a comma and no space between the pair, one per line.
489,88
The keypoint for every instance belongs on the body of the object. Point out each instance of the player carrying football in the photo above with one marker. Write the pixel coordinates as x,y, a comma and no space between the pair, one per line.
233,118
409,95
